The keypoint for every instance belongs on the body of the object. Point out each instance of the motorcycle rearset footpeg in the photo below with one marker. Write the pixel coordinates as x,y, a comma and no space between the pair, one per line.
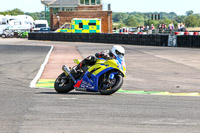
67,70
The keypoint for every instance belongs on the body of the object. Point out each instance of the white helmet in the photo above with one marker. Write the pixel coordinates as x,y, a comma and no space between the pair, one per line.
118,51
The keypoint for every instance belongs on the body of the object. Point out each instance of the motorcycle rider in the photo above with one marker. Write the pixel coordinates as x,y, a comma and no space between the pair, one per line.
116,51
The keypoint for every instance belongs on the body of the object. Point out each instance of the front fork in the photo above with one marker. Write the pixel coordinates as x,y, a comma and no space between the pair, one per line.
68,72
110,81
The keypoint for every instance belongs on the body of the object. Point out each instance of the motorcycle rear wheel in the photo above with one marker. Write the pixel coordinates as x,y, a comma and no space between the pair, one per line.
114,88
63,84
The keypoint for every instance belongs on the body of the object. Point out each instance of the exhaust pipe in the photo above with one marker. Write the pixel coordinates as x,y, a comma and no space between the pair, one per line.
68,72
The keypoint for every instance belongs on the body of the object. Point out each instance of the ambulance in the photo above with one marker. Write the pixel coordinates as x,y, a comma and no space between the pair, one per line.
81,25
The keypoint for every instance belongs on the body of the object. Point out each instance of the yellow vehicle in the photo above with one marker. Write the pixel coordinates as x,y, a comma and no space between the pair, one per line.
83,25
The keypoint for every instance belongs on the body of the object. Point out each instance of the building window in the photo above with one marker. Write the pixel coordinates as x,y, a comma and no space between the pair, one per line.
55,10
69,9
82,2
3,21
90,2
92,24
98,2
17,23
87,2
80,25
93,2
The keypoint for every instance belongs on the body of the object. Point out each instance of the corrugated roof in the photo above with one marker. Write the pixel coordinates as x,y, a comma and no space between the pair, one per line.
58,2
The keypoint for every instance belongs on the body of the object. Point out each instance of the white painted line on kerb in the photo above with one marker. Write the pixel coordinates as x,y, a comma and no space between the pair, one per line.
34,81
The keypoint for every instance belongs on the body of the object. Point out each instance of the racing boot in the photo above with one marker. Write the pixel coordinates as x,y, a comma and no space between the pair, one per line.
75,69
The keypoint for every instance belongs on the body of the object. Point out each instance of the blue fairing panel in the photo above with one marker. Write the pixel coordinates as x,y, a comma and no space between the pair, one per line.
91,84
88,83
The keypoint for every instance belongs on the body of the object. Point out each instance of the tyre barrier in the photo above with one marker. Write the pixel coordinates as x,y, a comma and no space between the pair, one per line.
187,33
176,33
196,33
131,39
191,33
140,33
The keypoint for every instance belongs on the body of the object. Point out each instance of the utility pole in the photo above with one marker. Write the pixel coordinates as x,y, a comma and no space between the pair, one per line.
60,2
109,15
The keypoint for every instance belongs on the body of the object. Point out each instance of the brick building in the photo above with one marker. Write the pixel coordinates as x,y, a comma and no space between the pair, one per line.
61,11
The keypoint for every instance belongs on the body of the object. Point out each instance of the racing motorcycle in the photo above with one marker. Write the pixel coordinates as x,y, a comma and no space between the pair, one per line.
106,77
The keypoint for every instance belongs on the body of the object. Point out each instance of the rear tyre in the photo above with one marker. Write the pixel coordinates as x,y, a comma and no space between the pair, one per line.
63,84
118,81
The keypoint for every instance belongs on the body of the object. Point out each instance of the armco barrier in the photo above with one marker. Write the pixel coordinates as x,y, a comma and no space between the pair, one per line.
131,39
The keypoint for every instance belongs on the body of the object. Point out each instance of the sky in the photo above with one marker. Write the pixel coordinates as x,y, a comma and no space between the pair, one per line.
178,6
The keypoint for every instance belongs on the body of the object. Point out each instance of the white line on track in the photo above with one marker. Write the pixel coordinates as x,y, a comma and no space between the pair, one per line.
34,81
68,98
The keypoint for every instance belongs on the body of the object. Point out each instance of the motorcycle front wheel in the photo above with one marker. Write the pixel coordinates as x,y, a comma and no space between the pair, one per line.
63,84
107,89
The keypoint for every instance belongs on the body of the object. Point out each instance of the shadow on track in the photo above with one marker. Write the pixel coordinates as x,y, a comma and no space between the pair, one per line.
70,93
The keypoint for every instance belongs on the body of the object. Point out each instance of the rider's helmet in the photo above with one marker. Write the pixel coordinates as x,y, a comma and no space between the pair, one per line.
118,51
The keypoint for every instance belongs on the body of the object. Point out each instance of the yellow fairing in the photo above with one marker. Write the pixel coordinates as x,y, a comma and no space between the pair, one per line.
102,65
77,61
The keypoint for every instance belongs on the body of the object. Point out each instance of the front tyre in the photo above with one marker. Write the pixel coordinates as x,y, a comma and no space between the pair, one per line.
3,35
111,87
63,84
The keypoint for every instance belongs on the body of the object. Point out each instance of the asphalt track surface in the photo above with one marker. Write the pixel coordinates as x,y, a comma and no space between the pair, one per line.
28,110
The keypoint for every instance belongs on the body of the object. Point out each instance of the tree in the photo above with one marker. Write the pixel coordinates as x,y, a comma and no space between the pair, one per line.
119,17
167,21
191,21
120,25
140,19
188,13
155,23
172,15
180,19
17,11
131,21
37,15
198,20
13,12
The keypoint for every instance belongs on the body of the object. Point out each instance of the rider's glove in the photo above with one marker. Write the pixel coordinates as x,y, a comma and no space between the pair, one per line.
106,56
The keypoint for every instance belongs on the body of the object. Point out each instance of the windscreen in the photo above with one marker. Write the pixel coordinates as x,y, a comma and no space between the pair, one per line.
67,26
3,21
40,25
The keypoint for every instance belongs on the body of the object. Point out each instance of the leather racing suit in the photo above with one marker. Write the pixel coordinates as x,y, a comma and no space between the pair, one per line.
91,60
